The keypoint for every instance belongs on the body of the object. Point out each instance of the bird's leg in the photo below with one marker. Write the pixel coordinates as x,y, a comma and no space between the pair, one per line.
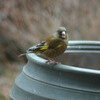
49,60
55,62
52,59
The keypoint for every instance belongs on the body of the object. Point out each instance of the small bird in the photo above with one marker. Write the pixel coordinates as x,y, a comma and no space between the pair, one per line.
53,46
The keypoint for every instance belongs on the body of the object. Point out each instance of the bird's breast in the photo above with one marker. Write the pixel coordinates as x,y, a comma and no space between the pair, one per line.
52,53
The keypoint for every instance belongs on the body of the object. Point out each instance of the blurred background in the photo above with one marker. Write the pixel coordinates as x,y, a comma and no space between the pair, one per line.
24,23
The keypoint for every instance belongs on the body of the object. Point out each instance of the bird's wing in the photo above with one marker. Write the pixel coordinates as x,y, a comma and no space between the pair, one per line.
35,49
45,45
41,46
51,45
38,48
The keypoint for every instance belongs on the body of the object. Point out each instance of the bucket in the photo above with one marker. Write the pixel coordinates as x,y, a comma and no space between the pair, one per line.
77,78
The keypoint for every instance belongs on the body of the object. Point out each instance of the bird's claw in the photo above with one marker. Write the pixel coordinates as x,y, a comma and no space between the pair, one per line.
51,60
57,62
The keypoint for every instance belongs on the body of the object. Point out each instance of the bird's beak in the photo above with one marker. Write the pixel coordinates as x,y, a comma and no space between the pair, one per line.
63,35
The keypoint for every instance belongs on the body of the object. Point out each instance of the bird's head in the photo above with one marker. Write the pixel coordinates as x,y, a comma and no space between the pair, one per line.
61,33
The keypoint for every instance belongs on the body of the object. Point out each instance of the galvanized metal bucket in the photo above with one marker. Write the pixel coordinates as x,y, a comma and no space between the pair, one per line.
76,81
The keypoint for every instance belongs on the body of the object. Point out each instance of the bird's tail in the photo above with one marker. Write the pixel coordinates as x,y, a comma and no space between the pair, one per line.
23,54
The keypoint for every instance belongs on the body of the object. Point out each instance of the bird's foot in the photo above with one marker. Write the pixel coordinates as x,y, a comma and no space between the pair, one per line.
57,62
49,60
52,60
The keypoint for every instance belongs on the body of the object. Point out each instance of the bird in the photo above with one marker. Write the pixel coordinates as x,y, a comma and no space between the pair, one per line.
53,46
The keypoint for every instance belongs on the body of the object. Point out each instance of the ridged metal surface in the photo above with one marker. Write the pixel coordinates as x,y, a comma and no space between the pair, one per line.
83,47
41,81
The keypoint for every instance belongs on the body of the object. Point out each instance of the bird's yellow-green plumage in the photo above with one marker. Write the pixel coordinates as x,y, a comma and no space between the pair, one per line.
55,48
44,48
54,45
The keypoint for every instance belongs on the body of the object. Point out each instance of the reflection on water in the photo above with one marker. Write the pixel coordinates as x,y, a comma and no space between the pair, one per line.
85,60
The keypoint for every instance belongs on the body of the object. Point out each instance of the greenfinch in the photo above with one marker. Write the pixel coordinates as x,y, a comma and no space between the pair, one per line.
53,46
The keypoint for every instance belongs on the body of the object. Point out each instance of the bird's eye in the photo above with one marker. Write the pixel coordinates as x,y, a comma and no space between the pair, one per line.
60,32
63,33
